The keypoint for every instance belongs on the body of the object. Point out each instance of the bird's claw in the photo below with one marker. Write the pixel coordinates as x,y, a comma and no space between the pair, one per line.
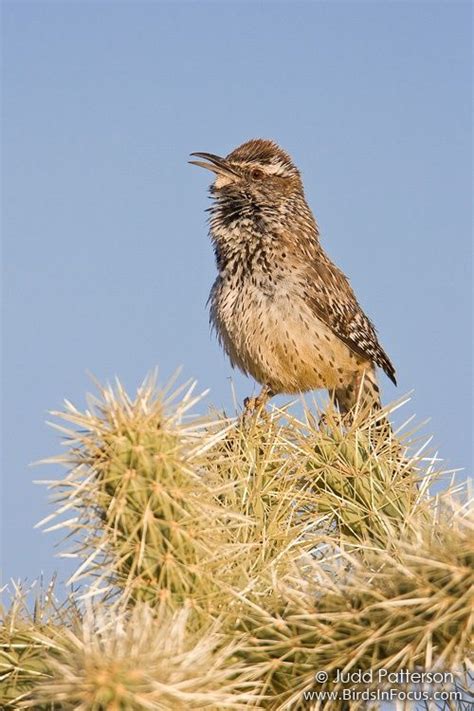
257,404
249,405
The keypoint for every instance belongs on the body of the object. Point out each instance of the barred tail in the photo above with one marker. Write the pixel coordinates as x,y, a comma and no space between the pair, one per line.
363,392
363,395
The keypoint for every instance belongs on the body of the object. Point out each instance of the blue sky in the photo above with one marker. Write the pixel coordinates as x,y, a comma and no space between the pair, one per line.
106,260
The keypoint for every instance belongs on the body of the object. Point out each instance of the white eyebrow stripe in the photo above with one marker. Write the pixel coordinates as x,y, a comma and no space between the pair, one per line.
275,168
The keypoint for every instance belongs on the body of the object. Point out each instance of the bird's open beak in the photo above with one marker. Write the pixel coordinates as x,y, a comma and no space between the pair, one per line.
217,164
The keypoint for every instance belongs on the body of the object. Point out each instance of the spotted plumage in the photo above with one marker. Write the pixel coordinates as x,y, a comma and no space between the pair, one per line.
284,313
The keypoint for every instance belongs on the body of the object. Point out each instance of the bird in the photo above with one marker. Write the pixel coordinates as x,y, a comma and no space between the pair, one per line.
284,313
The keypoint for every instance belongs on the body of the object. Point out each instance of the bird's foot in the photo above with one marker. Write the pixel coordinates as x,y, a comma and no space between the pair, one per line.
336,419
249,405
322,422
253,405
257,404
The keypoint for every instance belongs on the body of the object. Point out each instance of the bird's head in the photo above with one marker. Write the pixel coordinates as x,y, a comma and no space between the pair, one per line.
258,170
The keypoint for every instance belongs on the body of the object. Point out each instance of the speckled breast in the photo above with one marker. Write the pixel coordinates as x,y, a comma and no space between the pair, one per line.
270,333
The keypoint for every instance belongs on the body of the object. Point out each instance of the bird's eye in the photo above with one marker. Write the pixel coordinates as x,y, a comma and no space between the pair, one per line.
257,174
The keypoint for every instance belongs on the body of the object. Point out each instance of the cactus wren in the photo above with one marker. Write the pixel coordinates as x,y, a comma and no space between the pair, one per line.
283,312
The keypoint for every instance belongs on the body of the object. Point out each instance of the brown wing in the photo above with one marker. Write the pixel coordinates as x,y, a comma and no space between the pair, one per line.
330,295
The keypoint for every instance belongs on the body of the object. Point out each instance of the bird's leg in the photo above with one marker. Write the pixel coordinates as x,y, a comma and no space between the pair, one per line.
253,404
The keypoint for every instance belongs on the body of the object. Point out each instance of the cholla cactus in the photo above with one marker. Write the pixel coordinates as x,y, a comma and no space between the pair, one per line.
27,640
408,608
225,561
144,516
365,481
143,659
